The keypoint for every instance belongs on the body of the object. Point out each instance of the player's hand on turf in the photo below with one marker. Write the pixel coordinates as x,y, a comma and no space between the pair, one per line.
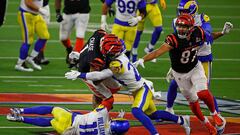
74,55
163,4
121,114
139,62
111,12
227,27
134,20
43,11
59,17
72,75
169,75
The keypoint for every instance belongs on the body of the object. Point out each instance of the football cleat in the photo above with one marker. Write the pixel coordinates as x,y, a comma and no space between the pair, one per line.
170,110
22,68
211,129
186,124
220,123
15,111
11,117
31,61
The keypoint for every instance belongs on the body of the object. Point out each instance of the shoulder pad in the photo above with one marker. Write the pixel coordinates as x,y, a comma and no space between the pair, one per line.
205,18
116,66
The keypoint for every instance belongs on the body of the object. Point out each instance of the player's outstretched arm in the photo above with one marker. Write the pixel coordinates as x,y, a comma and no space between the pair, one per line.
226,29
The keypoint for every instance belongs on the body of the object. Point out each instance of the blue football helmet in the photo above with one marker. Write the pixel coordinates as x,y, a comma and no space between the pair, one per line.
187,6
119,126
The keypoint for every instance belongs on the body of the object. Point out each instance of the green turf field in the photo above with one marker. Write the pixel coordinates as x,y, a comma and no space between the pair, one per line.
226,51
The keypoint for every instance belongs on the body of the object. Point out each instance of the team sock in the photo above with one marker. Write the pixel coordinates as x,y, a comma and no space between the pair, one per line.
156,34
172,93
195,107
43,122
79,44
144,119
67,43
207,98
24,51
41,110
39,44
163,115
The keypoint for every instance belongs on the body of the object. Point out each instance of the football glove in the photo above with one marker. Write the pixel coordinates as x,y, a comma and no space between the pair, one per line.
227,27
59,17
134,20
43,11
163,4
139,62
169,75
111,12
74,55
104,24
72,75
121,113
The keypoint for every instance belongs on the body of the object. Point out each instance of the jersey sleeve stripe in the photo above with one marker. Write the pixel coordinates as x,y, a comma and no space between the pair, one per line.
202,33
175,40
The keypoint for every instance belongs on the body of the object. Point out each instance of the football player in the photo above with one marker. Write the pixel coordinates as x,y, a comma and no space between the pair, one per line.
65,122
126,19
31,21
3,7
155,16
204,53
75,13
188,72
120,68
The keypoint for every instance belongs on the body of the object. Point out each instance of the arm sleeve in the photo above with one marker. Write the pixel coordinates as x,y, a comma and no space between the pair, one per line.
96,75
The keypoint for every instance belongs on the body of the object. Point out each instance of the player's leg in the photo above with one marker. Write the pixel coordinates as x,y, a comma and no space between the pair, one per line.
156,19
81,23
118,30
171,96
43,34
64,34
200,82
130,33
40,59
140,28
3,6
207,66
25,21
141,104
62,119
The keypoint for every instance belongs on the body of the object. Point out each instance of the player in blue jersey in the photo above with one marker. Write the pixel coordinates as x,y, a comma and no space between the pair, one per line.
120,68
155,16
204,53
126,19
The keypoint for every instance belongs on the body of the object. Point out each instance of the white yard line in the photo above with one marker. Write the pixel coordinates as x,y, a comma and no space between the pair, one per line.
19,81
41,85
71,90
61,77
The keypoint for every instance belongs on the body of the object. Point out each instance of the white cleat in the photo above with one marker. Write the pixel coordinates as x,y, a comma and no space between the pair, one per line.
11,117
24,69
186,124
170,110
31,61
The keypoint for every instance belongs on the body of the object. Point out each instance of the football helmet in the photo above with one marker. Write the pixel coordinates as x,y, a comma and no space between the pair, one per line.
111,46
119,126
187,6
97,64
184,24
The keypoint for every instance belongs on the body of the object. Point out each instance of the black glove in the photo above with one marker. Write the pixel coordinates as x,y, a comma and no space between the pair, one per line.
111,12
59,17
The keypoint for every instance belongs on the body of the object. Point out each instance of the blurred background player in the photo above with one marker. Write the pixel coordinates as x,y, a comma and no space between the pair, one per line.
155,16
65,122
182,46
3,8
40,59
120,68
125,20
31,21
204,54
75,13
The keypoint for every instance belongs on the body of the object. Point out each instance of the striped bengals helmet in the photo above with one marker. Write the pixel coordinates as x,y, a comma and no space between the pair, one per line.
111,46
97,64
183,24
